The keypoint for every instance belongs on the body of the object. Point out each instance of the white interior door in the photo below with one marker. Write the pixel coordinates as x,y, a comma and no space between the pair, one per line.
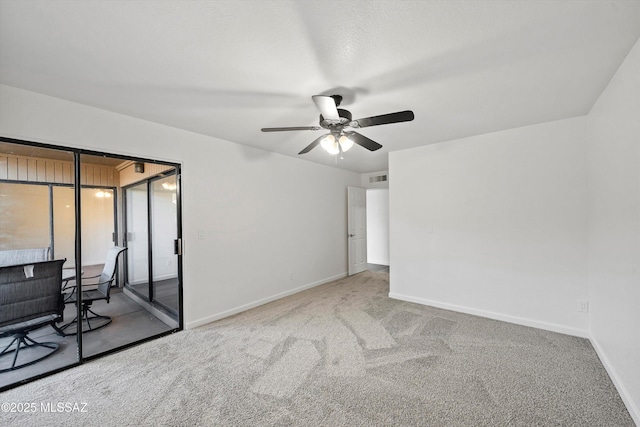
357,229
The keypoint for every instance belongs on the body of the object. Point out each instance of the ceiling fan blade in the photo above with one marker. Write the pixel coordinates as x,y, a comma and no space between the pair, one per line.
400,116
327,106
312,145
291,128
363,141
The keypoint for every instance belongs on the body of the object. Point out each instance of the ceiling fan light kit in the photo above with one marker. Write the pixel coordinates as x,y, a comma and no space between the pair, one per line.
335,120
335,145
345,143
330,144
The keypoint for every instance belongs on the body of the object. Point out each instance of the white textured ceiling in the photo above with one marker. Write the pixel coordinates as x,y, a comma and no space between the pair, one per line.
228,68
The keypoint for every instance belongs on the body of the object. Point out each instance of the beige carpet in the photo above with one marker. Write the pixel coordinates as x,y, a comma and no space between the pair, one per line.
341,354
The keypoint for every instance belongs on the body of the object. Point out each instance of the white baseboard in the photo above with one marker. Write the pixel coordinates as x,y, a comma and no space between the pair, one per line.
245,307
496,316
633,409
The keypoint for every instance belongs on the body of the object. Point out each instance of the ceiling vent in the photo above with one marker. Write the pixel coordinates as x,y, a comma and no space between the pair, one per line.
379,178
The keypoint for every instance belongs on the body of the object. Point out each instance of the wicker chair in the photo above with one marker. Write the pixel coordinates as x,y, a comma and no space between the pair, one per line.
30,298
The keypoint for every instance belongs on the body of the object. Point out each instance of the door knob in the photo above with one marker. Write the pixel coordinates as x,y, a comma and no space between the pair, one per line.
352,235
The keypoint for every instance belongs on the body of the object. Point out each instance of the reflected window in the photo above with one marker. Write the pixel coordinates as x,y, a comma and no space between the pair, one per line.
24,216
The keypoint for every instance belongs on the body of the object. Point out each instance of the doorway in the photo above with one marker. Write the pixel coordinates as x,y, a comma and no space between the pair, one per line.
69,203
368,229
151,236
378,229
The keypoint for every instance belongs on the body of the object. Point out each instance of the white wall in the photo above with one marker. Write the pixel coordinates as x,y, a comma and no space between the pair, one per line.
378,226
137,225
614,228
164,220
97,228
269,221
494,225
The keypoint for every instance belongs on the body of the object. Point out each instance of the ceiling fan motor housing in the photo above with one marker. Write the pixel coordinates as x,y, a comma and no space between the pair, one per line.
336,125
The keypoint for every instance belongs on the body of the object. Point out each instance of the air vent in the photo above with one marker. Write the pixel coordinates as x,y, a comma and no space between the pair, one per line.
379,178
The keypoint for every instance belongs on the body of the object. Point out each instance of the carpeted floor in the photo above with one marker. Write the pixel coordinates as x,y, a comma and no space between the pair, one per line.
341,354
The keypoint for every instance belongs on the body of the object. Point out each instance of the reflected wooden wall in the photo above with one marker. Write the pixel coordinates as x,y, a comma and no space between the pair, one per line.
31,169
128,175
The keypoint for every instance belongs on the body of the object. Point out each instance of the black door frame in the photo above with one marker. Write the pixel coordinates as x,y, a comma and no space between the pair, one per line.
150,297
78,152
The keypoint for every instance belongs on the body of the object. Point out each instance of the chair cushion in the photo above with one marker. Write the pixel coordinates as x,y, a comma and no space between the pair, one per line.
28,325
25,297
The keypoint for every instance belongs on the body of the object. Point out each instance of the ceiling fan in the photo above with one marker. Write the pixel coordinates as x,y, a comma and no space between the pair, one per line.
335,120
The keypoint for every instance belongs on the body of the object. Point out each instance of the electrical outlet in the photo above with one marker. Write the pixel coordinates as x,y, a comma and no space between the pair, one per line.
200,234
290,276
583,306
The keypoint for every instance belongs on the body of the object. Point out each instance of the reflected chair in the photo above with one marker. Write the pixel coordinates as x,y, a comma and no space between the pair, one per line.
102,291
23,256
30,298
